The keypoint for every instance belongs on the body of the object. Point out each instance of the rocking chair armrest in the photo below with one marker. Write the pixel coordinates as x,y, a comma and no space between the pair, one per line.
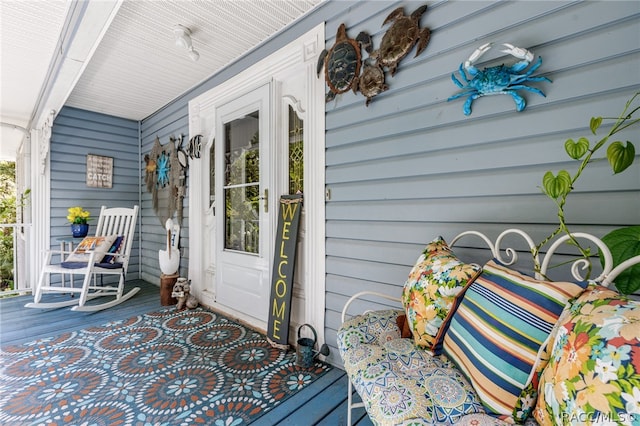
119,255
57,251
99,255
49,253
113,260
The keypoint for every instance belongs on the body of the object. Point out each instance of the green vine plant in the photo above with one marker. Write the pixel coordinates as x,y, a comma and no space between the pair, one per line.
624,242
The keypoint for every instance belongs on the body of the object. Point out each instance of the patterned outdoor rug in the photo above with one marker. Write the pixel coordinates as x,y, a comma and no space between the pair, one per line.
160,368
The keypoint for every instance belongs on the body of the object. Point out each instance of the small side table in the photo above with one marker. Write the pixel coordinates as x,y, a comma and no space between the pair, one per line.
66,247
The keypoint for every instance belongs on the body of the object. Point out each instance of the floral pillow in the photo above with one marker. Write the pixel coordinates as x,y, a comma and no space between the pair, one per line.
593,375
82,253
431,289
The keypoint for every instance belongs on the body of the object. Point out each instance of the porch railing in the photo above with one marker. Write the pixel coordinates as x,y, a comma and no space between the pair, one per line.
14,278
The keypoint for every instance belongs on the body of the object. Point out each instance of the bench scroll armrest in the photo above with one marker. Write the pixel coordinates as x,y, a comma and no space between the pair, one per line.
365,293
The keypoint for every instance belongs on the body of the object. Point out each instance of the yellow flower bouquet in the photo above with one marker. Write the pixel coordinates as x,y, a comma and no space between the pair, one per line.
77,215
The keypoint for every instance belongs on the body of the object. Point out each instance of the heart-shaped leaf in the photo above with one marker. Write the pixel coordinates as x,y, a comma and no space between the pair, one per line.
624,243
576,150
556,186
620,157
595,124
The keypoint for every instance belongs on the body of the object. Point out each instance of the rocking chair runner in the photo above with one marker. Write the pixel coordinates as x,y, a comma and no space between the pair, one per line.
112,222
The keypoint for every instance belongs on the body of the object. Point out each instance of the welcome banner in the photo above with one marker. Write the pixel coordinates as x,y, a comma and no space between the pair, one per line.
284,260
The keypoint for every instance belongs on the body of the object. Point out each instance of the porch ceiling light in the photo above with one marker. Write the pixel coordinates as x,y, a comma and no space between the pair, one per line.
183,40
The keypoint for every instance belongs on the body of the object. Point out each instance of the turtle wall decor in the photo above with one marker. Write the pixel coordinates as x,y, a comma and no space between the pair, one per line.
341,64
372,79
401,36
344,68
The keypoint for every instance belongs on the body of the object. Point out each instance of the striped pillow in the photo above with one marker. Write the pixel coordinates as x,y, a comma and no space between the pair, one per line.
499,329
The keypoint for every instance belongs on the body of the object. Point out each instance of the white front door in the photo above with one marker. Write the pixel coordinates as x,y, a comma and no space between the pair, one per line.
243,234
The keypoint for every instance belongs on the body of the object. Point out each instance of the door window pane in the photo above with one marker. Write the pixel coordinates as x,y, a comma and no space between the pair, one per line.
296,153
243,219
242,184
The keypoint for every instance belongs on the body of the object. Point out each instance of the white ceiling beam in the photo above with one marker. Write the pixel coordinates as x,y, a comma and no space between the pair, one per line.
85,26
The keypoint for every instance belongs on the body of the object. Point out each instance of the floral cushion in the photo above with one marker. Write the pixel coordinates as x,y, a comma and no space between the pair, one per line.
430,291
375,327
400,383
498,335
487,420
593,375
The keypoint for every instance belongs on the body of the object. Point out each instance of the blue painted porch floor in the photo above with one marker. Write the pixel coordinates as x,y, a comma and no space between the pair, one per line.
322,403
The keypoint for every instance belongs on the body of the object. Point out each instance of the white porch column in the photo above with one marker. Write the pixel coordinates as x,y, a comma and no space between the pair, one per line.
40,196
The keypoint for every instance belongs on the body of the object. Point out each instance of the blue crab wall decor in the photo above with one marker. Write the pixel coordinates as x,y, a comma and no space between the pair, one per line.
497,80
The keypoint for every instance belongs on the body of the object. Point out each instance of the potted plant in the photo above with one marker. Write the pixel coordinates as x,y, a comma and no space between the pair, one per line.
79,218
623,243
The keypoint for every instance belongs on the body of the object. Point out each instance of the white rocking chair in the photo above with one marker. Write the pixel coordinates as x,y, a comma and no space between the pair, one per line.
112,221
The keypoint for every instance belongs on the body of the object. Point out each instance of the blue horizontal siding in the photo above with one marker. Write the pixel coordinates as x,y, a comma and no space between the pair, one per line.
411,166
75,134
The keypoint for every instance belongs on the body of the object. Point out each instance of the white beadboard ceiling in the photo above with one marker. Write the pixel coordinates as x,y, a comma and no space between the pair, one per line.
29,32
134,68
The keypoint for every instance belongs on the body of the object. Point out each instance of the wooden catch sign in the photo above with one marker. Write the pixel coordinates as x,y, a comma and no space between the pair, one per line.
284,260
99,171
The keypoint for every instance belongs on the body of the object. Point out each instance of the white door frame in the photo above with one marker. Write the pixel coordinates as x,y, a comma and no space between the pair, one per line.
302,52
